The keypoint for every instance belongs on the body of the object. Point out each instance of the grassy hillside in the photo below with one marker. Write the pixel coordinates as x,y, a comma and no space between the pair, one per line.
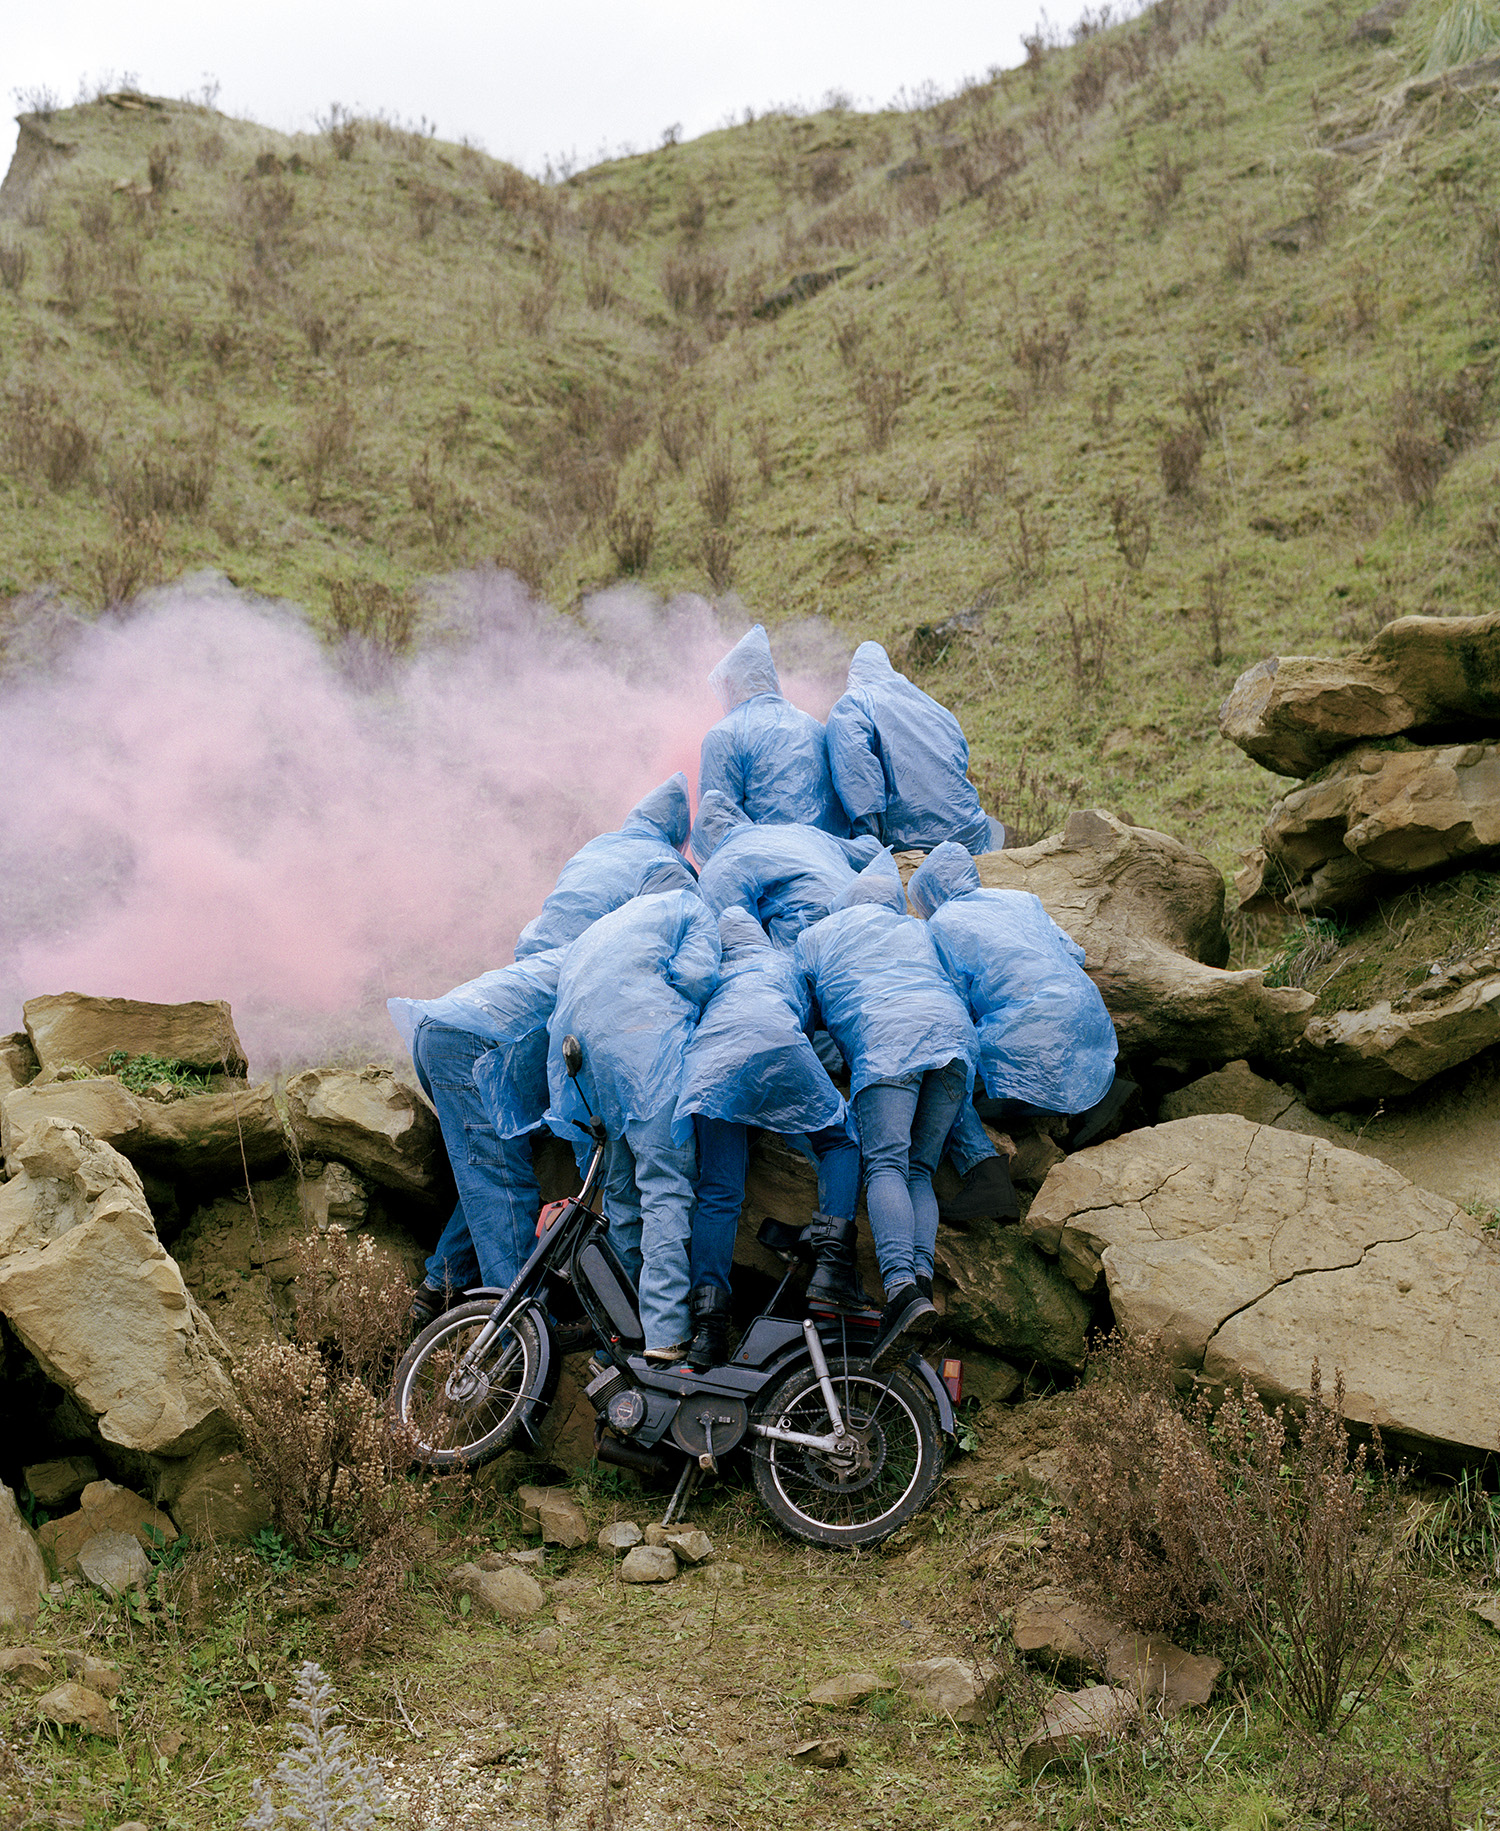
1169,349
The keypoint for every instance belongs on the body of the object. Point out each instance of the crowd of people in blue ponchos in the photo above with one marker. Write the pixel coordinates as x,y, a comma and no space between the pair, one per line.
783,986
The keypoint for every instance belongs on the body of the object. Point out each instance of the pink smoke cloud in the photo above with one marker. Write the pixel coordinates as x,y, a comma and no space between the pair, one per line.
200,801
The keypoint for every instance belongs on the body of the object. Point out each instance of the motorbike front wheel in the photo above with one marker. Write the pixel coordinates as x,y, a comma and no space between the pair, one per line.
456,1418
866,1493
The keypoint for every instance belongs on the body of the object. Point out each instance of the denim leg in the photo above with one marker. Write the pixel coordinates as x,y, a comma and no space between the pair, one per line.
838,1171
664,1180
968,1142
944,1090
454,1265
723,1151
883,1114
622,1206
497,1186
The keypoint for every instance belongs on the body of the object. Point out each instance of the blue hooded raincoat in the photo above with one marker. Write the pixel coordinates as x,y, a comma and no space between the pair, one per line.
1044,1034
630,990
880,986
786,876
606,872
766,755
750,1061
901,759
510,1007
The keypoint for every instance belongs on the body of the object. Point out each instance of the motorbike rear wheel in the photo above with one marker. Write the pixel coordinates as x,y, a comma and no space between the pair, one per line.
864,1497
460,1421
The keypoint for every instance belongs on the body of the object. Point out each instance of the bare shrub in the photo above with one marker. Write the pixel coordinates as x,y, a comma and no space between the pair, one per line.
13,264
693,284
1239,251
717,552
827,178
1089,83
326,444
537,300
341,130
1214,612
849,333
426,202
1161,186
73,273
1130,523
128,563
435,495
1030,802
609,213
1027,546
984,478
96,216
1203,397
1093,630
1041,354
759,433
601,284
882,390
373,617
680,430
1180,455
41,438
631,533
718,483
165,481
161,167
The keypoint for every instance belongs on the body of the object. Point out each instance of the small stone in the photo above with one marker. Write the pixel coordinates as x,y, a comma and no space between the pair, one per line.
547,1640
28,1666
618,1538
115,1563
553,1513
656,1534
822,1753
567,1618
690,1544
53,1484
171,1743
76,1706
964,1689
130,1824
717,1576
97,1674
1077,1722
617,1776
649,1564
511,1595
1153,1668
1488,1611
848,1688
532,1559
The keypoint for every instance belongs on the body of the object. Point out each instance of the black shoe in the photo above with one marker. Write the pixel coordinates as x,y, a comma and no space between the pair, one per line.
984,1195
710,1344
909,1318
427,1305
835,1283
924,1285
1102,1120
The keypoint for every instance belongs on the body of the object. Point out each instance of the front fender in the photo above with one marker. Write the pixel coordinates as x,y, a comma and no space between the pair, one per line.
542,1386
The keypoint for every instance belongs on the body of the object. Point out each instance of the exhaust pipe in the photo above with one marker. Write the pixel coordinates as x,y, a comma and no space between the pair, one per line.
630,1456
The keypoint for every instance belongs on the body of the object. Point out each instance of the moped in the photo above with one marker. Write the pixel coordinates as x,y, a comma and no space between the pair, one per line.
841,1454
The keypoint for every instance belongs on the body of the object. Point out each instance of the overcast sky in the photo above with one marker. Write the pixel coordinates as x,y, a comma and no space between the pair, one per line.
583,77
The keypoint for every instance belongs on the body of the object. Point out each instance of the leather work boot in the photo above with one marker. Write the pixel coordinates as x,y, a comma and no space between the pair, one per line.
984,1195
710,1343
835,1283
909,1318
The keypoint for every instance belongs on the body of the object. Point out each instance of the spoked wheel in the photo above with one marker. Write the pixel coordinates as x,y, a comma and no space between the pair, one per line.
460,1417
863,1493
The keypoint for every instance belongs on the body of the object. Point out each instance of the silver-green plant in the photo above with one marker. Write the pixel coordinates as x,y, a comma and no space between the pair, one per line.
324,1786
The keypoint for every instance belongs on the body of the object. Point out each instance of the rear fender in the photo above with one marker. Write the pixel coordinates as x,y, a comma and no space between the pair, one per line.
942,1404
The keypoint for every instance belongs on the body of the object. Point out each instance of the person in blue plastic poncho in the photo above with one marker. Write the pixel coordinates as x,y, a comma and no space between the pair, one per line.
786,876
911,1051
1046,1042
766,755
750,1063
900,762
630,989
603,874
499,1020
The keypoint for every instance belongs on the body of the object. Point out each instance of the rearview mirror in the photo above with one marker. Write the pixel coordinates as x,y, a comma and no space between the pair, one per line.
572,1054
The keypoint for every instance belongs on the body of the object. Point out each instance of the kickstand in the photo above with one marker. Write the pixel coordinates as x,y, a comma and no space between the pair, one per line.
677,1506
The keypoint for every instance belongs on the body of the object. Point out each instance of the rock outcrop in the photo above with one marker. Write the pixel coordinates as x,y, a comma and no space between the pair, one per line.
1252,1251
369,1120
1149,915
88,1288
23,1575
1385,1050
996,1289
201,1137
1294,713
69,1029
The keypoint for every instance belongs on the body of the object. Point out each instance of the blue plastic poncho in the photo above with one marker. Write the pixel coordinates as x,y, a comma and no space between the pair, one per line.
900,760
1044,1034
881,988
750,1060
786,876
630,990
510,1007
768,756
606,872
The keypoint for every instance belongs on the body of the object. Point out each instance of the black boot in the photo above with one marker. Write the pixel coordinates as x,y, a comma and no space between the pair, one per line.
710,1343
835,1283
984,1195
909,1318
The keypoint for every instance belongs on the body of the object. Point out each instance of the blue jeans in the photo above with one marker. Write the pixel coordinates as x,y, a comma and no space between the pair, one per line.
902,1126
723,1151
648,1196
493,1228
968,1143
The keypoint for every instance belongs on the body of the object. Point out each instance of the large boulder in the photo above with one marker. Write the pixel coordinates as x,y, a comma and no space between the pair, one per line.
18,1063
1294,713
1392,1048
1149,915
1252,1251
200,1137
68,1029
1380,813
996,1289
23,1575
88,1288
368,1119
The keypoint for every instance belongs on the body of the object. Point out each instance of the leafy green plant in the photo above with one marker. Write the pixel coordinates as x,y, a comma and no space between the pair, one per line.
155,1076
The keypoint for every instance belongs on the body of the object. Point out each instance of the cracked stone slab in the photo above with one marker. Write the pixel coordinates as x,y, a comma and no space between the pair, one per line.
1251,1250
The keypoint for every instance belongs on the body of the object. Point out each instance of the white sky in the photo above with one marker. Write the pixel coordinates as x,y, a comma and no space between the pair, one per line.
584,77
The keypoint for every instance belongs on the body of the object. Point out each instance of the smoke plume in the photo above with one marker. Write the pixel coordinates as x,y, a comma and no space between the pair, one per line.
202,801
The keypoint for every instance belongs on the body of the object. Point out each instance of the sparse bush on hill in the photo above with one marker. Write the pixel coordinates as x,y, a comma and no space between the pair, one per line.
1180,455
14,260
718,483
380,620
631,533
1130,523
716,550
42,440
131,558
